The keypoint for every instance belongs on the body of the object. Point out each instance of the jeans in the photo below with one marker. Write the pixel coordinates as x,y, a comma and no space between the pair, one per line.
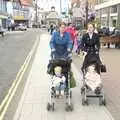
60,87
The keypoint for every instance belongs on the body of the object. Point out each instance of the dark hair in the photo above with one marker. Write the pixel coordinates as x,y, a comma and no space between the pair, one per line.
61,23
69,23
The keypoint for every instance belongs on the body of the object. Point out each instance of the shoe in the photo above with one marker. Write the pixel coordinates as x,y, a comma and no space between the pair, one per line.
62,93
57,93
98,90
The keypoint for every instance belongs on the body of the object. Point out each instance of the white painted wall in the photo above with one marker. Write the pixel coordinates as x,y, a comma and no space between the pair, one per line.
107,4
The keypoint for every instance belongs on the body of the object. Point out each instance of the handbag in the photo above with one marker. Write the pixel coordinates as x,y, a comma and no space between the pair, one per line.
103,68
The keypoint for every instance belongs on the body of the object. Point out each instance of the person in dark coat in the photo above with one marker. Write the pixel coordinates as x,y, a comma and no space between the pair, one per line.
51,29
91,46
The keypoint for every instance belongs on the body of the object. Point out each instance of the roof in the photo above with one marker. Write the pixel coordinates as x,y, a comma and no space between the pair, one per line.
53,15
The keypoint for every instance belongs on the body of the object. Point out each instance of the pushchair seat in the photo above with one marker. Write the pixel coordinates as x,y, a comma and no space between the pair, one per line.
92,58
64,63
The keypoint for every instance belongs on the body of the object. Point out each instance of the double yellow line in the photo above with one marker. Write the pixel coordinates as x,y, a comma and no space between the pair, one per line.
11,92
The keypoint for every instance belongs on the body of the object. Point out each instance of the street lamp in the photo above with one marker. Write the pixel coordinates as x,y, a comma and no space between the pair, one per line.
61,7
86,10
36,12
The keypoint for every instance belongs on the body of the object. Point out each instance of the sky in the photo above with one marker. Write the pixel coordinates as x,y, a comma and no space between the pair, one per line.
46,4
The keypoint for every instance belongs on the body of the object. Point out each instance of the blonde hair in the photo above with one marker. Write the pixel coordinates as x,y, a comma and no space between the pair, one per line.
58,69
91,24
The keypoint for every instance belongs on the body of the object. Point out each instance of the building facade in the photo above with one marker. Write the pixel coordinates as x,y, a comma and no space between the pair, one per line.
53,17
3,13
79,11
108,11
20,13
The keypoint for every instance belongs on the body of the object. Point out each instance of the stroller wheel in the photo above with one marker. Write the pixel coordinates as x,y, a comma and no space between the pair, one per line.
102,101
70,94
69,107
48,106
84,102
53,106
82,90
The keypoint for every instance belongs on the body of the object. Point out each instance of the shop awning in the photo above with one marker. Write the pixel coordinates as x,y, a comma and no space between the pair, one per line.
3,17
19,18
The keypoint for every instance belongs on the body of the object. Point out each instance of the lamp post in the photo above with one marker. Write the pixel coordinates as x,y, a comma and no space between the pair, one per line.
61,7
36,13
86,10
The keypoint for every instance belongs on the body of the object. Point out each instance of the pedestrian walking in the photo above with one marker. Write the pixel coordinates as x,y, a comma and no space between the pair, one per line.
90,43
72,32
79,39
51,29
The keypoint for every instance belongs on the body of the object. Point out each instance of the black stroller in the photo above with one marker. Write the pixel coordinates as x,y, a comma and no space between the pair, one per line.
65,64
92,59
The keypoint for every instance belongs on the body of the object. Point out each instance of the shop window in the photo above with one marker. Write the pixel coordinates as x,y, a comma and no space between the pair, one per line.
114,22
114,9
105,10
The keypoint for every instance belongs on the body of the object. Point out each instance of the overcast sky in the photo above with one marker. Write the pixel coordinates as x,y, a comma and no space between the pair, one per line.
46,4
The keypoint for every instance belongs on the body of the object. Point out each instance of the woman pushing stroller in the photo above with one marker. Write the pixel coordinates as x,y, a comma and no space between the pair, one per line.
59,66
92,67
90,44
61,43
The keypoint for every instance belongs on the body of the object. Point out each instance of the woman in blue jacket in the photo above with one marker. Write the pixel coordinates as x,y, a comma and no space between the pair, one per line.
61,43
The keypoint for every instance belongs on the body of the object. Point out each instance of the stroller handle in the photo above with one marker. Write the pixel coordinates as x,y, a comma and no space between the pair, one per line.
65,57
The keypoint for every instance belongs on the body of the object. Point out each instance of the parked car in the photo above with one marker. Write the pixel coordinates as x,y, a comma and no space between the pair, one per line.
103,31
21,27
2,31
43,26
117,31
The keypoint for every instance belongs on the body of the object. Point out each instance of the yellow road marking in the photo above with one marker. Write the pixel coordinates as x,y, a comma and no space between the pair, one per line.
5,103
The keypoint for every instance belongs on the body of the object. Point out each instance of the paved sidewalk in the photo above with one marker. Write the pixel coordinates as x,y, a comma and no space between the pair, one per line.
32,105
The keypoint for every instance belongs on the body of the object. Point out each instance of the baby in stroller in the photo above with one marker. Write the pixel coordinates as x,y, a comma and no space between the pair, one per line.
91,70
92,83
93,78
59,70
59,82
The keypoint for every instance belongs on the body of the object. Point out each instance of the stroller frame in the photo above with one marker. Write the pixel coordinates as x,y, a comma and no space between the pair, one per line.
86,92
66,69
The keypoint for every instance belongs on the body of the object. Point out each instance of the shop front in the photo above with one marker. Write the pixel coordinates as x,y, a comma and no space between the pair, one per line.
3,20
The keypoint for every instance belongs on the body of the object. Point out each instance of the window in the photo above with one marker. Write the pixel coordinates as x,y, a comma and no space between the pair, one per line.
114,22
113,9
105,10
3,7
0,5
101,1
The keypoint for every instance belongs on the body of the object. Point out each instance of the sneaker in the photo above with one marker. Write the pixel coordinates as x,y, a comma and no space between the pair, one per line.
62,93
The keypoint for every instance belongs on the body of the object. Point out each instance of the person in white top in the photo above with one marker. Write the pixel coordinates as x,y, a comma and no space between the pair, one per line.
59,81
